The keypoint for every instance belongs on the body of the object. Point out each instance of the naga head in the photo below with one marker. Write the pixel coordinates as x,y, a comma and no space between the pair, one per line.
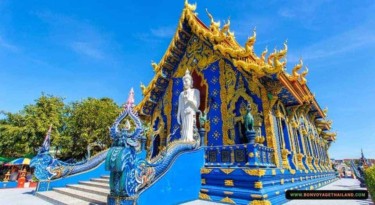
43,159
40,163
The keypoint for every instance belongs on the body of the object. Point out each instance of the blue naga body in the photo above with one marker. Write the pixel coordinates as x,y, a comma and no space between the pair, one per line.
47,167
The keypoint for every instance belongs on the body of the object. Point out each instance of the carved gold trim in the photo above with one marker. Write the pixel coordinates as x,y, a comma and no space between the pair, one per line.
203,181
168,107
227,171
204,196
228,182
260,202
205,171
256,196
228,200
258,185
224,104
268,122
255,172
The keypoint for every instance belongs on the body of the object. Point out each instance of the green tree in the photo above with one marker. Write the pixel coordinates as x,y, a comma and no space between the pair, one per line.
88,123
23,132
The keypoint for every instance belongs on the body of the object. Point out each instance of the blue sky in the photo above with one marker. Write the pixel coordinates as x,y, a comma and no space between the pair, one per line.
79,49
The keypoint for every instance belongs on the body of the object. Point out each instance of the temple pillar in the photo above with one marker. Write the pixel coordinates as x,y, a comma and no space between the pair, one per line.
284,151
269,124
292,143
300,156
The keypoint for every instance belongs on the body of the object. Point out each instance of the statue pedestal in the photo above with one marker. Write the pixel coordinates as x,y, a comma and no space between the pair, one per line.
250,135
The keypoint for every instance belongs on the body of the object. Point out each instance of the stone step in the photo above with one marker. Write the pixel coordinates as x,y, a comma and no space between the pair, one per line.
95,184
105,176
86,196
60,199
101,180
89,189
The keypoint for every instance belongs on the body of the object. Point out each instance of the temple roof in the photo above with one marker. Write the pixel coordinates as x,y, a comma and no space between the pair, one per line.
294,89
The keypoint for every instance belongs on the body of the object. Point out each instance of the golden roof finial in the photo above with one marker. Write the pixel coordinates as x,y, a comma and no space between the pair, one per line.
296,68
191,7
264,53
325,111
154,66
225,28
283,52
303,75
213,25
231,33
143,88
251,40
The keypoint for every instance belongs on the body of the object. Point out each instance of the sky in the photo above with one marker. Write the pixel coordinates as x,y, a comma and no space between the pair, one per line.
79,49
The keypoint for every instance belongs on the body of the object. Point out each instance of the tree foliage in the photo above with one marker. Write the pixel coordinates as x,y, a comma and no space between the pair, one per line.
370,181
23,132
89,122
74,126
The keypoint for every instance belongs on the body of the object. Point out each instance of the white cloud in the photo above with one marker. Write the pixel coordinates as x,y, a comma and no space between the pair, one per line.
163,32
80,36
88,49
5,44
348,41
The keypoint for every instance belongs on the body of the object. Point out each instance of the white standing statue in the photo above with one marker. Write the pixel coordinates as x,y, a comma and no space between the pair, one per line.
188,104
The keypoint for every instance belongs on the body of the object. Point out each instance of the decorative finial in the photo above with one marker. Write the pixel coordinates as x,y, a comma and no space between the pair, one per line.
297,68
191,7
213,25
154,66
130,102
303,75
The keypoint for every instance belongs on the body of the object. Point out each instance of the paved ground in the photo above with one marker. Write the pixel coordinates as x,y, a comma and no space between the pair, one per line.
20,197
25,196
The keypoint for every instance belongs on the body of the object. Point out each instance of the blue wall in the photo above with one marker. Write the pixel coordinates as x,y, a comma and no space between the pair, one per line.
8,185
181,183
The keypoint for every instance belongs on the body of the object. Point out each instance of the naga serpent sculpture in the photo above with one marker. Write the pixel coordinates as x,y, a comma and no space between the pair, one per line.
48,167
131,172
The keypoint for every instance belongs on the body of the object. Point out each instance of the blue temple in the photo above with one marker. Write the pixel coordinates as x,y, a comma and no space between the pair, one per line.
258,130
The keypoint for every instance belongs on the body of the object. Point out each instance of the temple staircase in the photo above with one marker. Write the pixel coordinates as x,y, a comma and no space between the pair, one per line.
94,191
